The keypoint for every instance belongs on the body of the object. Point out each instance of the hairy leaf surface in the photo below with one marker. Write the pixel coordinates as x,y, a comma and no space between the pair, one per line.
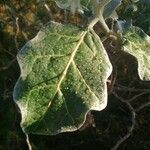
63,76
137,43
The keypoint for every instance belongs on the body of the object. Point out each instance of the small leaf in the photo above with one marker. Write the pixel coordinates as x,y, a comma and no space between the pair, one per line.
137,43
73,5
63,75
86,5
63,4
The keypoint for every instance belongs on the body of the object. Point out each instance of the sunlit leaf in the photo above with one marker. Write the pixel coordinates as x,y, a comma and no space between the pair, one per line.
137,43
63,75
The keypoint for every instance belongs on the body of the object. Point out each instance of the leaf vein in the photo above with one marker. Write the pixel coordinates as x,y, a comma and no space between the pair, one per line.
82,35
84,80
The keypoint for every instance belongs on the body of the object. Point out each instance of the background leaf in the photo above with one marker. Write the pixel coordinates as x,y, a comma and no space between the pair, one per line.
63,75
137,43
87,6
110,8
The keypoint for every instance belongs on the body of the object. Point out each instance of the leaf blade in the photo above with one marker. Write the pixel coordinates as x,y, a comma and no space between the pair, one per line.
138,44
59,80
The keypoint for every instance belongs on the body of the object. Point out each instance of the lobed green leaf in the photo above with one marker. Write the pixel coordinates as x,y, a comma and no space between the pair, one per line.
63,75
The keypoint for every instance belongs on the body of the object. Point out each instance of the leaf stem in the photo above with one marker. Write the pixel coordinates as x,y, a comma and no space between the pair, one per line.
98,13
92,23
28,142
103,24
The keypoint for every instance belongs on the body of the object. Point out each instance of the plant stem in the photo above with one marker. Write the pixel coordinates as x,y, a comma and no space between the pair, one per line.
98,13
92,23
28,142
103,23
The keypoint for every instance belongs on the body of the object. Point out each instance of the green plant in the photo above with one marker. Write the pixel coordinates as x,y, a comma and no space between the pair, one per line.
64,69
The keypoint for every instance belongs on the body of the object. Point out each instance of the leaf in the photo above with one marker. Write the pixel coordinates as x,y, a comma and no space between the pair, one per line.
137,43
81,5
86,5
63,75
110,8
73,5
63,4
123,25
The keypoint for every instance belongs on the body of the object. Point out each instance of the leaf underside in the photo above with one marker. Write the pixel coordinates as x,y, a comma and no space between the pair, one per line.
137,43
63,75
